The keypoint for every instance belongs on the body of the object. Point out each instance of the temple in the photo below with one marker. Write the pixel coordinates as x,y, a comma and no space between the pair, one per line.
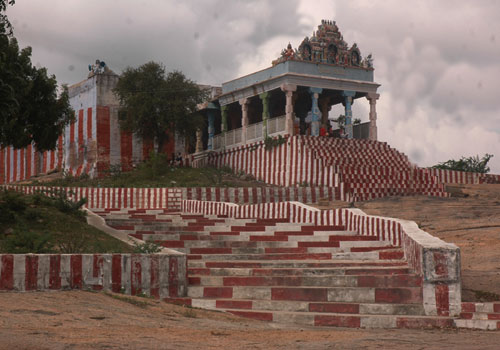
294,95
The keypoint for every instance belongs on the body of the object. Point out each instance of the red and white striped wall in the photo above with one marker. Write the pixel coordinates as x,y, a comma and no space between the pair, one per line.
22,164
114,198
157,275
284,165
170,197
462,177
255,195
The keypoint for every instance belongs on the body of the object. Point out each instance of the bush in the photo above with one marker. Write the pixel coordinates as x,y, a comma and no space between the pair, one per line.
24,241
148,247
469,164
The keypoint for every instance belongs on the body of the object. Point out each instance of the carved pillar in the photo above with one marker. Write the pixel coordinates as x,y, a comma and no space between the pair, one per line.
372,98
265,96
244,119
325,108
288,89
348,95
211,128
315,110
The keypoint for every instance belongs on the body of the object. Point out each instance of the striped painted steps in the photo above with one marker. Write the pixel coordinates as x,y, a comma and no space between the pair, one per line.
274,270
484,316
371,169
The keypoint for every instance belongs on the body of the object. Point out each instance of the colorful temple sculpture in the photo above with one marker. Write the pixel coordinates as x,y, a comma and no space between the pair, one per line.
295,95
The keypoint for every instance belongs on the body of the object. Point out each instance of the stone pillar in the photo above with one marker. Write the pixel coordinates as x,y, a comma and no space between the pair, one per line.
288,89
224,111
265,96
348,95
199,142
211,128
325,108
315,110
372,98
244,119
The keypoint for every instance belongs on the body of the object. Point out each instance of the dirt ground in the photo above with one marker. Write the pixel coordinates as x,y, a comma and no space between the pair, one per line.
471,221
85,320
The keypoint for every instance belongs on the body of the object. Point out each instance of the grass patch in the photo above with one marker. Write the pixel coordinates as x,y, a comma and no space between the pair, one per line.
39,224
484,296
157,172
143,304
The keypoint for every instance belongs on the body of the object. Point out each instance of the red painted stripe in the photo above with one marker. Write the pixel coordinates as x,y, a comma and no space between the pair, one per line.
7,272
31,272
21,164
116,273
44,167
29,156
76,281
135,274
2,165
103,139
442,300
89,123
14,168
126,150
173,280
155,276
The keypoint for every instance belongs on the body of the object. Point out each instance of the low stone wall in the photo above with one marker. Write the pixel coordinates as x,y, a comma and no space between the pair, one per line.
170,197
436,261
462,177
157,275
114,198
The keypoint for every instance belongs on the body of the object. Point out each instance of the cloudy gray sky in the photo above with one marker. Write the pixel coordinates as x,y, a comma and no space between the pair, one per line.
438,61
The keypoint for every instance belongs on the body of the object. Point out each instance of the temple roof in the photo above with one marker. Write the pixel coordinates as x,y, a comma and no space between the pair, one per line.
327,46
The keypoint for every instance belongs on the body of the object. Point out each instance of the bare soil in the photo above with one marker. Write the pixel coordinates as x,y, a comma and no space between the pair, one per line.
85,320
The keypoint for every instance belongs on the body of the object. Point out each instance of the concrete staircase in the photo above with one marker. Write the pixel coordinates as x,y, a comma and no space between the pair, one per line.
273,270
371,169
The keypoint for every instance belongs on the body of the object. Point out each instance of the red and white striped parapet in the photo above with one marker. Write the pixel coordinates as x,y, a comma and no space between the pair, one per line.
157,275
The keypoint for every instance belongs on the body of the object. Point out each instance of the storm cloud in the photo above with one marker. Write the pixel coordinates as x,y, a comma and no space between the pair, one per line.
437,61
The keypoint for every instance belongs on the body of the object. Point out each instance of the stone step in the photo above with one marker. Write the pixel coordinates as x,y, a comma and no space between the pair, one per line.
330,271
488,325
401,295
305,306
395,281
480,311
294,243
348,320
340,237
362,264
372,256
333,249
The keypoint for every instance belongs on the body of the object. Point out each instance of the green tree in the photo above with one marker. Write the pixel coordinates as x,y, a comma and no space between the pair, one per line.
470,164
156,104
30,110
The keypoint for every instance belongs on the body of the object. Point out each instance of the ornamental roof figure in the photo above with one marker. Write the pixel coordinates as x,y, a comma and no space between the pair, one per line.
327,45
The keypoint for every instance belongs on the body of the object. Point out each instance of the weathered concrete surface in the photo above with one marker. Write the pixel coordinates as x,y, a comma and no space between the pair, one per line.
83,320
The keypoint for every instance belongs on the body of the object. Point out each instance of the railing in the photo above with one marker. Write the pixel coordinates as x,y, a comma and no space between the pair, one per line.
254,133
